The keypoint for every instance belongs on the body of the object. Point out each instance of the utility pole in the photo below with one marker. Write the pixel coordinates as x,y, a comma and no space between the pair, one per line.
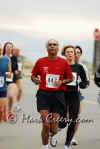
96,55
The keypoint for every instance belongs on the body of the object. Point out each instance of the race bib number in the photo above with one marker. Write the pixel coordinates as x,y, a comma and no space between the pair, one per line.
20,66
50,79
10,79
73,83
1,81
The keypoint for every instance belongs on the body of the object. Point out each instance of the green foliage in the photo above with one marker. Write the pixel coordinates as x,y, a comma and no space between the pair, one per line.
27,64
88,65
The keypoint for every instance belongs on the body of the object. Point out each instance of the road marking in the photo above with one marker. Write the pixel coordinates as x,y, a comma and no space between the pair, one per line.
91,77
90,102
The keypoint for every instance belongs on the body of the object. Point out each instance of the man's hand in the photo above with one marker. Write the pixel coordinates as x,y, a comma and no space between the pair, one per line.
36,79
58,83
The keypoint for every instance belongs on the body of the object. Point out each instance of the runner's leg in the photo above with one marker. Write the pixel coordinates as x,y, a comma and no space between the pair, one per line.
20,89
45,126
11,91
3,102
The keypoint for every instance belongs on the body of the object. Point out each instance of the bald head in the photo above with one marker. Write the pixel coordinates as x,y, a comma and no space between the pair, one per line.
52,48
51,41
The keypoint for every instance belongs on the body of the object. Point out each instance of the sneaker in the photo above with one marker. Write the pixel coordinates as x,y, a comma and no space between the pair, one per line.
45,146
17,109
10,116
53,141
66,147
74,142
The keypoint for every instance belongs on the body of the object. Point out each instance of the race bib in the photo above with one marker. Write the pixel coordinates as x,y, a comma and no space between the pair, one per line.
20,66
10,79
1,81
73,83
50,79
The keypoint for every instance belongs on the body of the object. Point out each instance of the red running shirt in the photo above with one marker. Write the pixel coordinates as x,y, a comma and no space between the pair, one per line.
51,70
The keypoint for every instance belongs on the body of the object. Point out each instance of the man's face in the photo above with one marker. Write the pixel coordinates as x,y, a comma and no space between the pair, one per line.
78,54
52,47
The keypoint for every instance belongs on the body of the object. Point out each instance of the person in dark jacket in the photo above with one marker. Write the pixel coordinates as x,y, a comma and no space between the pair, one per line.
97,81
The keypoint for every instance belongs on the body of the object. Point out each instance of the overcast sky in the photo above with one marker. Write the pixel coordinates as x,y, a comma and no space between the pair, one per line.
68,20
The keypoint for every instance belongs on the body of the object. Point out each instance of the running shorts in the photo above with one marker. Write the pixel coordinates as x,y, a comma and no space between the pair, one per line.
80,96
53,101
18,76
3,94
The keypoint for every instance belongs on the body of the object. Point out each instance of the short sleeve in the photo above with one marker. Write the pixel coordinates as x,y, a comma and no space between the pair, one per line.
35,70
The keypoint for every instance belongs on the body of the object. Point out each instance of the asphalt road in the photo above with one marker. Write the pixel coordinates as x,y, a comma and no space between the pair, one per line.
25,132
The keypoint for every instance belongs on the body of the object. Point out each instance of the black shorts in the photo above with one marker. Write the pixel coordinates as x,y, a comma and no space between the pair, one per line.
53,101
3,94
72,104
18,76
10,83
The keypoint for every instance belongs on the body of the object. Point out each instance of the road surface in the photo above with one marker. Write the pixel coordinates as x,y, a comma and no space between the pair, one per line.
25,132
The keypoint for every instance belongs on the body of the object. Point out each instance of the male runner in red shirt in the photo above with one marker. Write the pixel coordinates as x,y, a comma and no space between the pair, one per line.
51,73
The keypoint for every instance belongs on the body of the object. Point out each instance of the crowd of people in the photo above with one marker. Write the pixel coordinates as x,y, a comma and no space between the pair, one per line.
59,96
59,93
11,71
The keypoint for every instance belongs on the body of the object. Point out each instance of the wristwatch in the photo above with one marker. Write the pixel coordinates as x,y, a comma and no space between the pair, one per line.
63,82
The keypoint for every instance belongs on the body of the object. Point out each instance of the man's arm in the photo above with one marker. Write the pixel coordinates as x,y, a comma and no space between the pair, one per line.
84,79
60,82
35,77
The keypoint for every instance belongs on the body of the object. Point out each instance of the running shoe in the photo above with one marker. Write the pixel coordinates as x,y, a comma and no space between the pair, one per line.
66,147
74,142
10,116
17,109
53,141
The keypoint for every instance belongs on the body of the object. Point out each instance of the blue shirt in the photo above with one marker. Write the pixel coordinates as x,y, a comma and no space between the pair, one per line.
4,64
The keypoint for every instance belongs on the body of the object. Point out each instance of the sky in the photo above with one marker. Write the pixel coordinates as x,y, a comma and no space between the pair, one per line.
30,23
